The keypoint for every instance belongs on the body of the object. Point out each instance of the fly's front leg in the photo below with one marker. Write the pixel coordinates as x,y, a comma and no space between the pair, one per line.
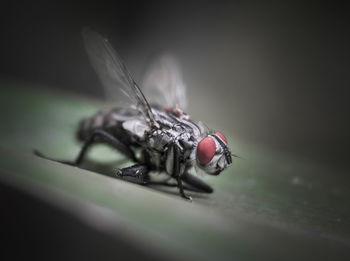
181,189
196,183
173,167
137,174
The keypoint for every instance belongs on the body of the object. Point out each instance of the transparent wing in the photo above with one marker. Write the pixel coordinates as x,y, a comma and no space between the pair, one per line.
163,84
113,73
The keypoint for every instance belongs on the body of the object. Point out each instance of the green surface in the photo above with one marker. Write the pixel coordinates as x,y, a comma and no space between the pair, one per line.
264,205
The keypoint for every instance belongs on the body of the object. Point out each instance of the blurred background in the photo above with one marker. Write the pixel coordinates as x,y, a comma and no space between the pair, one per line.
279,71
275,74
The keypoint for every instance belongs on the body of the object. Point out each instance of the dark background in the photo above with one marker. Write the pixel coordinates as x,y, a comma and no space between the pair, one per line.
279,71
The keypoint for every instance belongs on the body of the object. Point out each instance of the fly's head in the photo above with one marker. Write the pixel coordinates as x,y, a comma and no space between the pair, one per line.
213,154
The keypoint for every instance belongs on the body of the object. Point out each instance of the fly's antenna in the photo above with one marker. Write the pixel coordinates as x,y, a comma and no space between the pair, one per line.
236,156
227,152
228,155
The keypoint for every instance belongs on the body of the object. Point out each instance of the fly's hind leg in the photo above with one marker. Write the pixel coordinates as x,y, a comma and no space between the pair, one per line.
138,173
106,137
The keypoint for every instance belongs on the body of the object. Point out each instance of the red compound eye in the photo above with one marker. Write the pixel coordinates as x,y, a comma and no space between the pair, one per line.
205,150
221,136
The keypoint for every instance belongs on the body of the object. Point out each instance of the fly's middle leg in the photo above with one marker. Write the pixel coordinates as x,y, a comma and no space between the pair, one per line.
138,173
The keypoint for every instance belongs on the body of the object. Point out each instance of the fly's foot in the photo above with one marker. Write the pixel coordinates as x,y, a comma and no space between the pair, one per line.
181,188
119,173
186,197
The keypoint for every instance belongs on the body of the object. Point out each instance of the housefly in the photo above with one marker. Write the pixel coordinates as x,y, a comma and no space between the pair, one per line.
151,129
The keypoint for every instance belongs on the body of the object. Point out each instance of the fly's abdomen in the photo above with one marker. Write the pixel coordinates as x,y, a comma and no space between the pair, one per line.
103,120
108,120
